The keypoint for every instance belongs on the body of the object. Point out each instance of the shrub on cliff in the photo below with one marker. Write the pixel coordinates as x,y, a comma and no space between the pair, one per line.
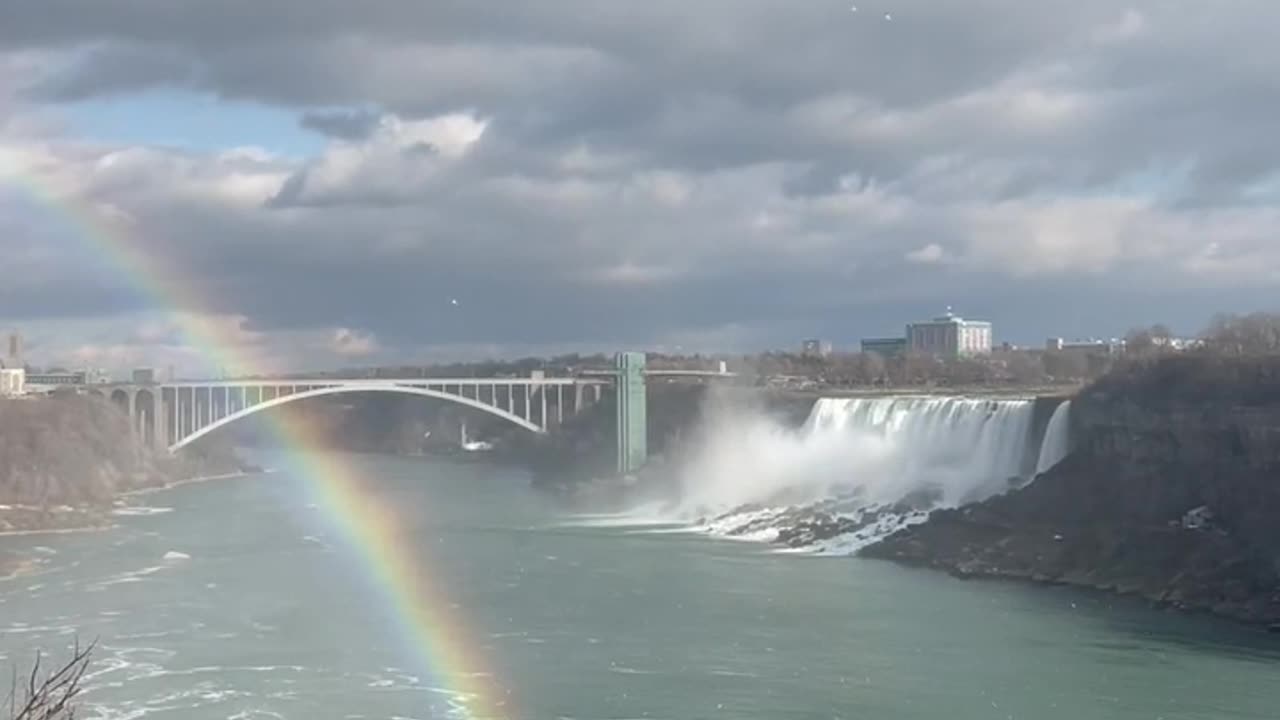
68,450
1205,377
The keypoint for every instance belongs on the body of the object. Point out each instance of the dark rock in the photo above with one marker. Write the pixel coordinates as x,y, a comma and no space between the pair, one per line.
815,529
1163,497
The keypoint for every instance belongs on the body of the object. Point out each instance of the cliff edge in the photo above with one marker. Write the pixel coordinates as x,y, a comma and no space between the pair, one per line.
1171,492
65,459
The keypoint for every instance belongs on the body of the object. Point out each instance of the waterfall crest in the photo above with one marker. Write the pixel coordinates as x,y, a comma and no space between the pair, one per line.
858,468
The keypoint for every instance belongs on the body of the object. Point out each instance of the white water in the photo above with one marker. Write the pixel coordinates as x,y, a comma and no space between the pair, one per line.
1057,439
876,463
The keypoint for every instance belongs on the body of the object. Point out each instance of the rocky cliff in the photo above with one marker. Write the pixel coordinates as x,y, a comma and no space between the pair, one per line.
64,459
1171,492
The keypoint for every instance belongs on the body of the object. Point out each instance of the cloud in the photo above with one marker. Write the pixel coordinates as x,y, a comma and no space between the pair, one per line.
1128,26
396,163
342,124
650,175
351,343
927,254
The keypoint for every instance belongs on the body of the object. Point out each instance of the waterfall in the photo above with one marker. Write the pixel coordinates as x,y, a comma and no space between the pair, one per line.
962,446
1057,438
859,468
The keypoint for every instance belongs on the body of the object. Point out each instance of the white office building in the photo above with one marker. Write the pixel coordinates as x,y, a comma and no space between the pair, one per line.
949,335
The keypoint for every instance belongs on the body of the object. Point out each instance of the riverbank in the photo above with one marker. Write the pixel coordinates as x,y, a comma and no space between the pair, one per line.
1169,493
19,521
67,462
30,520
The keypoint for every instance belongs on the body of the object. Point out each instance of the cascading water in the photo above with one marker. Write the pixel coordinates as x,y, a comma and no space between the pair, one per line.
857,470
1057,438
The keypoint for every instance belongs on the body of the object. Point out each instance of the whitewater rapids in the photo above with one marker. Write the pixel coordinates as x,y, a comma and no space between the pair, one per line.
858,469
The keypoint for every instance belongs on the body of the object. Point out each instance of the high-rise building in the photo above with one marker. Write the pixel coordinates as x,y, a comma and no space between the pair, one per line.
949,335
14,358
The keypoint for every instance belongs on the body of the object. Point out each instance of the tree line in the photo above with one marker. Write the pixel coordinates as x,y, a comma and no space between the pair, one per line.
1226,335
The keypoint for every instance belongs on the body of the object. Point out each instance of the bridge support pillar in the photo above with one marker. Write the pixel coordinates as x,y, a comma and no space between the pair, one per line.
135,416
633,449
160,409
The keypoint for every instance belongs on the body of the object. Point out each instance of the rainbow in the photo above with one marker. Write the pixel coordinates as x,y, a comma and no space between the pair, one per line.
398,570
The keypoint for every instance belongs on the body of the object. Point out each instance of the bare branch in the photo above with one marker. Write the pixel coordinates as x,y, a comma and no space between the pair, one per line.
52,697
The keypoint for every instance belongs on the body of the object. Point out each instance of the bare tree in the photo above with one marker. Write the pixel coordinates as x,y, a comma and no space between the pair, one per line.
50,696
1253,334
1023,367
1143,341
872,367
1066,365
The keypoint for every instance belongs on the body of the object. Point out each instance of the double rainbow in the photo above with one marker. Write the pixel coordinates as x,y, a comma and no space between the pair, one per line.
400,569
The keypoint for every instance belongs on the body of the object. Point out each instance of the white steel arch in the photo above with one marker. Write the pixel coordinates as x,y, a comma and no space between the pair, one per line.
361,388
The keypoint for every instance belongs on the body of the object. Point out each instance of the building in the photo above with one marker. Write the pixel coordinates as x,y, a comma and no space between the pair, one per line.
58,378
815,348
12,382
144,376
885,347
1177,344
949,335
1085,347
96,376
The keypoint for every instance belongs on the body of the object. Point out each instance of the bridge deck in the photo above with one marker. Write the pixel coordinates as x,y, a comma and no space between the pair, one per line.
329,382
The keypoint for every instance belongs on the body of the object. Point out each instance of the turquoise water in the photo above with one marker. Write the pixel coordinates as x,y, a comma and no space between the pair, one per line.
272,616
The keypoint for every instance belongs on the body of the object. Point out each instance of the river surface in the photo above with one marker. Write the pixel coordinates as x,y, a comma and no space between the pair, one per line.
272,616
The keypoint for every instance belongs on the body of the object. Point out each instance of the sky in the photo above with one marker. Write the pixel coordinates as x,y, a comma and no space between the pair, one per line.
330,183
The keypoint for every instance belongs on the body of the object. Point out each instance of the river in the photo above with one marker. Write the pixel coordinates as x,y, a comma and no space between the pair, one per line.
259,610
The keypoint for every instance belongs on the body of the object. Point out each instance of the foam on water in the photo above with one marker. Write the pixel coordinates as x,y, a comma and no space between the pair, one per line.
646,515
858,469
131,576
140,511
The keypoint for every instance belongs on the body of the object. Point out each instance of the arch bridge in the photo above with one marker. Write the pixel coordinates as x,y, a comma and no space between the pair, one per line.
174,415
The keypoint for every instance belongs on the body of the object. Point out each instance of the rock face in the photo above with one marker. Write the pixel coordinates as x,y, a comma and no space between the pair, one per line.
1169,494
64,459
69,450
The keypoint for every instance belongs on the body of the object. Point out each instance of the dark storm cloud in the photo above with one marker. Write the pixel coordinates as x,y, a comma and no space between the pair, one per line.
107,70
578,171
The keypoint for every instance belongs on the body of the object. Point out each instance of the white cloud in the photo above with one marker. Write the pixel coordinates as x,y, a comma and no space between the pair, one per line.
629,274
1128,26
927,255
399,160
351,343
